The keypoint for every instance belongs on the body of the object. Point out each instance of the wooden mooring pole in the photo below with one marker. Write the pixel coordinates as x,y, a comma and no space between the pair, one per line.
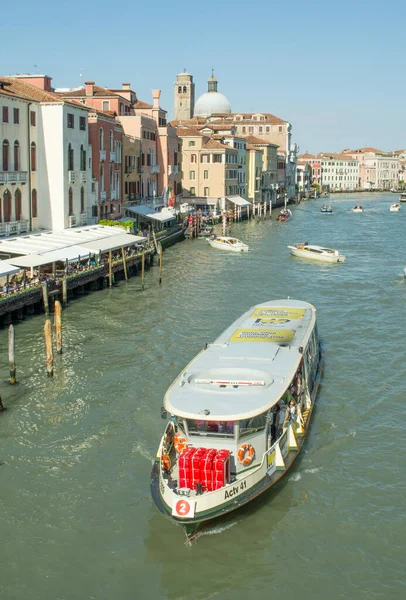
143,269
64,292
48,347
160,263
110,270
58,326
124,263
11,355
45,297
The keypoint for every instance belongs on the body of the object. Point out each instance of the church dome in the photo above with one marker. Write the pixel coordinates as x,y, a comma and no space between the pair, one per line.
212,101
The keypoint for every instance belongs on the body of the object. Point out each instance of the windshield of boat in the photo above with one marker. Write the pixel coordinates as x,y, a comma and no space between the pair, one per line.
210,428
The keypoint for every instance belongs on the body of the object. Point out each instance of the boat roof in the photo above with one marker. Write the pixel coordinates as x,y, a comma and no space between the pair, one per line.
247,369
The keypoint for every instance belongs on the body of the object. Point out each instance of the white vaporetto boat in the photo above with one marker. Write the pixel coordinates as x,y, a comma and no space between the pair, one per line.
239,414
227,243
311,252
394,207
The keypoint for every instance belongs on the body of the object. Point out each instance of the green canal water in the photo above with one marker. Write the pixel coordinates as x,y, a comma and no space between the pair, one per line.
76,518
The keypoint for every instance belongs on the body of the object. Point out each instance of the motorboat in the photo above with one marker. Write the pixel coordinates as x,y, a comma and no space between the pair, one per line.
358,208
394,207
284,215
223,242
205,232
326,209
311,252
238,414
402,197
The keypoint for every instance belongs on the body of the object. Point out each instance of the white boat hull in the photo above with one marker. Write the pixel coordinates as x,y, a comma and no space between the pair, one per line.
231,248
308,255
394,208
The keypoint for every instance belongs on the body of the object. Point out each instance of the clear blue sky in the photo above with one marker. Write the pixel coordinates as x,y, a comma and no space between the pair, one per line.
335,70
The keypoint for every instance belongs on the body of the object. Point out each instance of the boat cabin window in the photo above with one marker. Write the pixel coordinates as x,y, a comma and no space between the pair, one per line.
248,426
211,428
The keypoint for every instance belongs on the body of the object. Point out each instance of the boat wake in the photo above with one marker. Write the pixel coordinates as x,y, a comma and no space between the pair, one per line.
137,448
215,530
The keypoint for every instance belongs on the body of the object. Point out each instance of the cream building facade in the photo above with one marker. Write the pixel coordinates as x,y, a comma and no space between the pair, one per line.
378,169
333,172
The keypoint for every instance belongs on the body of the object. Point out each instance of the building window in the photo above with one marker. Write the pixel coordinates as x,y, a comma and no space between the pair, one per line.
206,191
192,143
111,141
101,139
82,123
179,89
33,118
16,156
217,158
260,129
5,114
34,205
70,201
71,121
17,205
82,158
280,129
106,105
82,199
184,89
33,157
193,191
267,129
7,206
16,116
250,129
71,158
244,129
205,174
192,174
6,146
193,158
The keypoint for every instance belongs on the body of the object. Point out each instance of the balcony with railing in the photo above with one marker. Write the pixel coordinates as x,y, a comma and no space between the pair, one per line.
113,195
113,156
71,176
72,221
173,169
83,177
13,177
155,169
103,196
83,218
129,169
13,228
102,155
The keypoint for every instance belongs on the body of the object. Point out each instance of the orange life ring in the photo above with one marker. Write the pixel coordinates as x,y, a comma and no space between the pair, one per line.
179,442
166,462
246,454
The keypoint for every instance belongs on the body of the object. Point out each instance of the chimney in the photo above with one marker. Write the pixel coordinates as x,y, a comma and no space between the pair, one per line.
89,88
156,95
126,86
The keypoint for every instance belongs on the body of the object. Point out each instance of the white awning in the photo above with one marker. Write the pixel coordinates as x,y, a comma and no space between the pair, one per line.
7,269
147,211
114,242
238,200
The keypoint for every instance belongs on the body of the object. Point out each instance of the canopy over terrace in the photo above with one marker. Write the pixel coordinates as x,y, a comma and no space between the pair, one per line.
7,269
238,200
147,212
39,243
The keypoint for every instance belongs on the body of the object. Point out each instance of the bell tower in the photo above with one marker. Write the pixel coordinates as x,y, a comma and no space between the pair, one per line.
184,96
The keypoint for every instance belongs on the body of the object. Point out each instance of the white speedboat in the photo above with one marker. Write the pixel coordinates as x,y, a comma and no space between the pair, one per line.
311,252
227,243
326,209
358,208
239,414
394,207
402,197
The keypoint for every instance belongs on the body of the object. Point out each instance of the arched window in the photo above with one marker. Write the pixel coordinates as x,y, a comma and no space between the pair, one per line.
180,89
5,155
111,141
34,205
7,206
33,157
71,158
101,139
16,157
193,158
184,89
82,199
17,204
70,198
82,158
